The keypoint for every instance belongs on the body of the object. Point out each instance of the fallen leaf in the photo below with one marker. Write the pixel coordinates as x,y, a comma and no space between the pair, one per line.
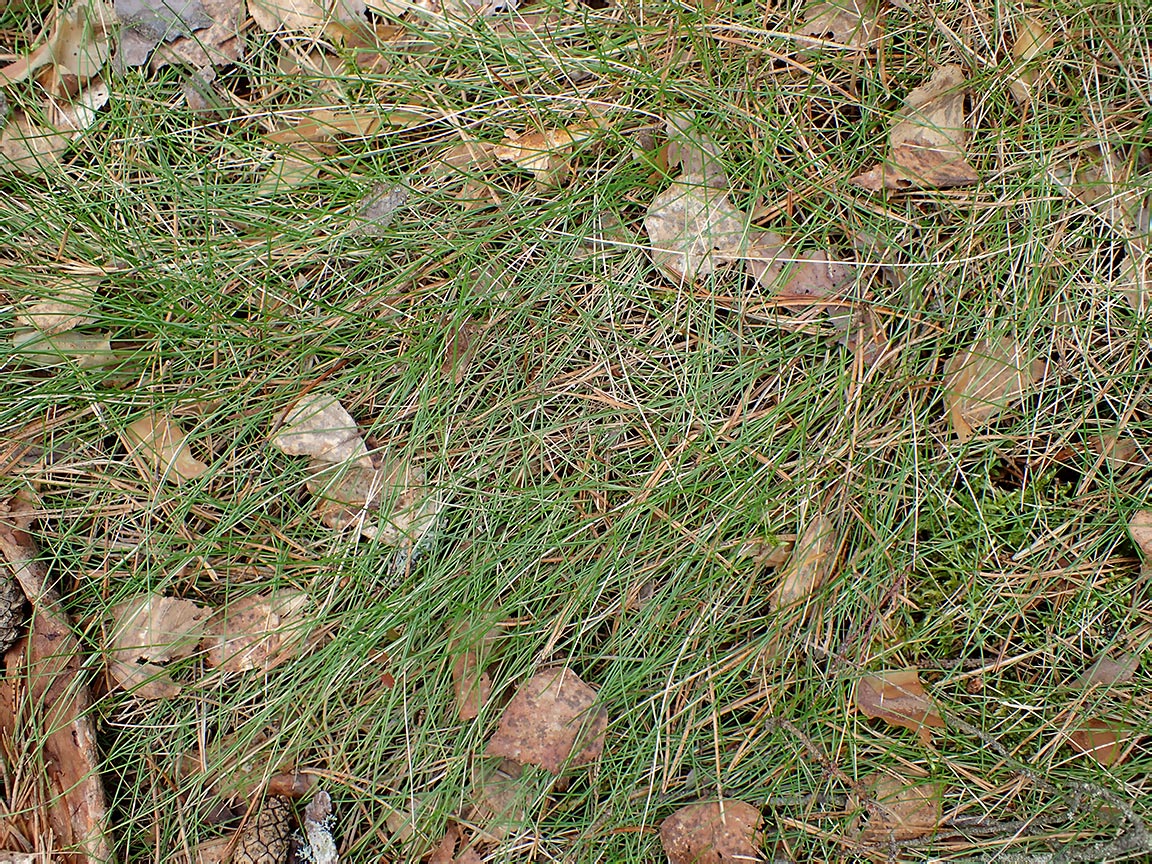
86,350
898,697
320,427
713,833
984,380
545,154
354,495
1098,178
28,148
692,150
240,766
267,837
218,45
1031,41
1108,671
60,306
321,125
378,208
553,722
1107,743
838,24
461,345
77,114
1140,530
163,19
929,140
902,811
318,829
297,167
693,228
161,441
256,632
499,797
46,729
1118,452
808,565
149,631
273,16
77,48
470,680
1134,280
789,274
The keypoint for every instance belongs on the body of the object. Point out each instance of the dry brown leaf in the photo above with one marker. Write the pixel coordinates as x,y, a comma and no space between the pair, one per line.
77,49
73,116
1108,671
1134,280
46,732
985,379
545,154
1140,530
163,444
353,495
929,141
299,166
1098,178
28,148
1032,39
725,832
218,45
61,306
460,346
256,632
86,350
320,427
274,16
328,124
808,566
470,680
902,811
151,630
1118,452
898,697
789,274
553,722
838,24
692,150
693,228
499,797
1107,743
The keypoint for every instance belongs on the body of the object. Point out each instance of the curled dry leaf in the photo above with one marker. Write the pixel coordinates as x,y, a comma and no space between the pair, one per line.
161,441
470,680
838,24
808,565
217,45
320,427
151,630
257,632
902,811
985,379
552,721
545,154
273,16
723,832
693,228
1105,741
77,49
1032,39
788,273
898,697
71,117
929,141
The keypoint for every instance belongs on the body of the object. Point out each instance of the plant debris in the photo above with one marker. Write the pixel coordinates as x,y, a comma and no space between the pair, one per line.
320,427
553,721
163,444
1032,40
149,631
903,810
838,24
808,565
724,832
257,632
471,682
985,379
898,697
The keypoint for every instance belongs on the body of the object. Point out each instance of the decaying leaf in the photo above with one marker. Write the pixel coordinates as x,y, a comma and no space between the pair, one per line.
459,347
470,679
1108,671
256,632
320,427
695,152
378,209
839,24
902,811
545,154
318,829
693,228
788,273
76,49
1134,280
1106,742
73,116
354,495
499,797
929,141
552,721
161,441
1100,179
46,733
86,350
241,766
298,166
65,304
1032,39
274,16
147,23
985,379
898,697
29,148
808,565
148,631
1140,530
217,45
719,832
267,837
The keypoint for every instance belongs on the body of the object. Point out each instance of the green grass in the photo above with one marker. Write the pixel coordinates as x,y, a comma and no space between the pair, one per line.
614,437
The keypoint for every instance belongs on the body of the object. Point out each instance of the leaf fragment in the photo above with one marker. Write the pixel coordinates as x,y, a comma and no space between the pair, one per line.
553,721
1106,742
929,140
29,148
544,153
86,350
320,427
217,45
471,682
161,441
1032,40
717,832
60,307
808,565
1100,179
693,229
897,697
985,379
151,630
903,811
274,16
838,25
790,274
1140,530
260,631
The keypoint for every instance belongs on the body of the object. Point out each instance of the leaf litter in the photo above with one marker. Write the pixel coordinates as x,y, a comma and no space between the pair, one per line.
164,445
150,631
896,696
986,379
718,832
903,810
260,631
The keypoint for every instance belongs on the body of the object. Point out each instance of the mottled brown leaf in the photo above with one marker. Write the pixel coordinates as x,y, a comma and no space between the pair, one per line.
838,24
148,631
545,154
808,564
693,228
161,441
898,697
257,632
62,306
1140,530
320,427
985,379
724,832
903,811
553,722
790,274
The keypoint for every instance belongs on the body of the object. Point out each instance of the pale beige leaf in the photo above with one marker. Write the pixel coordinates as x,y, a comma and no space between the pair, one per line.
86,350
320,427
256,632
77,114
716,832
897,697
903,811
1134,280
808,566
60,307
1140,530
1098,178
297,167
985,379
545,153
499,796
274,16
553,721
693,229
28,148
1032,39
929,140
148,631
789,274
354,495
839,24
161,441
